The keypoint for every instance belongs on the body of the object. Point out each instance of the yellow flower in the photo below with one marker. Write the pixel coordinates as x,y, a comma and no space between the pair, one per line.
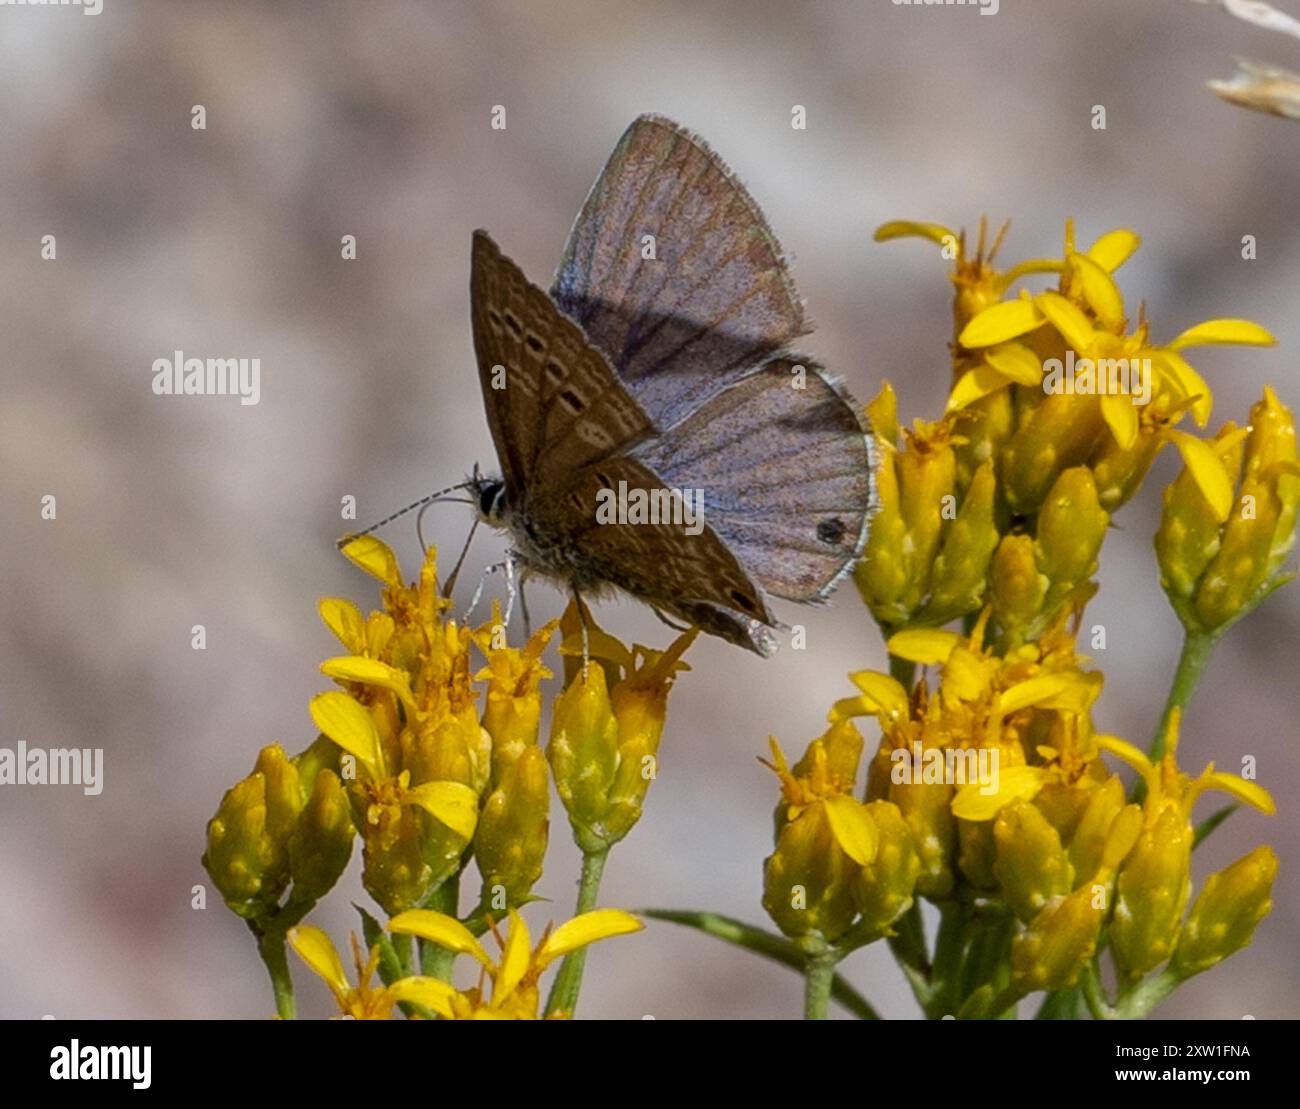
363,1001
1155,880
813,880
605,737
1229,518
285,826
1005,340
419,758
513,709
511,990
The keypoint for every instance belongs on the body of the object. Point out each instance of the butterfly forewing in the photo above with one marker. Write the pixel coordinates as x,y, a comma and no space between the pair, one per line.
554,403
657,560
712,302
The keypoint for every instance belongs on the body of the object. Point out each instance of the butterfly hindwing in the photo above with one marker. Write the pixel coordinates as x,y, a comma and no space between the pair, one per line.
789,470
714,301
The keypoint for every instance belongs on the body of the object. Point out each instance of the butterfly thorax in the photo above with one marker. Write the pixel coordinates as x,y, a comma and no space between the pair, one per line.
533,545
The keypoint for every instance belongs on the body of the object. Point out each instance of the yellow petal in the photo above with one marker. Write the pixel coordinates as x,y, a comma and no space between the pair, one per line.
515,958
1254,795
1218,332
848,707
1008,319
369,671
1114,248
881,694
316,949
1016,361
599,924
1212,477
344,619
853,828
376,558
905,229
1033,691
974,385
349,725
445,931
1188,382
1122,749
927,646
1016,783
965,675
1120,414
429,992
1099,290
456,805
1068,319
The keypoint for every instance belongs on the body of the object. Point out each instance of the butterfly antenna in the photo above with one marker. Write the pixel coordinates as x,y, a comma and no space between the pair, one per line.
450,583
421,503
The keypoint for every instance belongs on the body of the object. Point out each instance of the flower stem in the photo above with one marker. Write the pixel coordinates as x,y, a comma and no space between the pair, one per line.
1146,996
819,976
435,960
1197,648
271,946
564,991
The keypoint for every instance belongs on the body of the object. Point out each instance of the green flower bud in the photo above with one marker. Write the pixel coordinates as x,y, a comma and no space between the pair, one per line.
321,844
1261,529
976,852
1224,916
1071,527
884,887
510,844
809,881
1031,865
1061,432
927,809
1089,838
1059,941
961,568
1017,586
248,840
1153,887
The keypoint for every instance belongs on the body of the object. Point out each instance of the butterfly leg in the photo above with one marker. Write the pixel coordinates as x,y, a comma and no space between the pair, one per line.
511,590
523,605
586,634
495,568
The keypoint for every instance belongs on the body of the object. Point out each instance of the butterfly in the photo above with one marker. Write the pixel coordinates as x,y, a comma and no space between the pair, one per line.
659,361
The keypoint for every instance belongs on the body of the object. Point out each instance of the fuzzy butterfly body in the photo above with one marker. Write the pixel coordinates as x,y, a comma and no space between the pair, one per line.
659,361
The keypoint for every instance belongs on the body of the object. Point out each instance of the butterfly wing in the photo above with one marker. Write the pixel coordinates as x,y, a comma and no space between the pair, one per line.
553,402
714,302
786,466
563,424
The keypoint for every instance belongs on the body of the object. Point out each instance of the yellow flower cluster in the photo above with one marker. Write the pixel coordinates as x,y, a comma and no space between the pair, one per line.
408,761
988,794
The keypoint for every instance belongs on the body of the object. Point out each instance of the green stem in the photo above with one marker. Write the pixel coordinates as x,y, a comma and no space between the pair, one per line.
1145,997
1197,648
949,948
564,991
1090,986
819,976
435,960
777,948
271,946
902,671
